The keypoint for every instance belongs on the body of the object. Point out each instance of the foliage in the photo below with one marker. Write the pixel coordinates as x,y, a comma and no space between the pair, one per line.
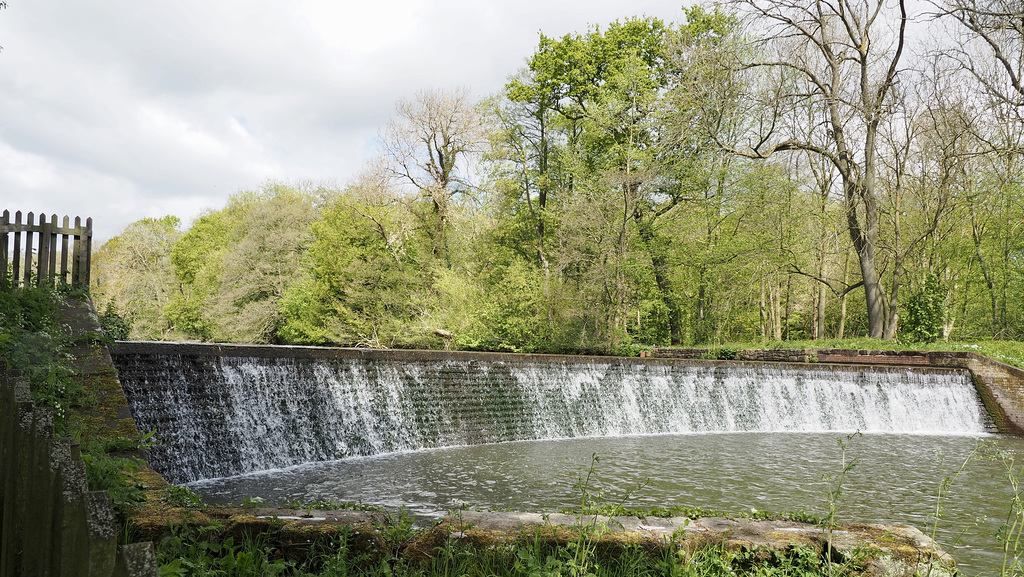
179,496
363,276
108,472
203,551
206,550
925,313
132,275
33,342
640,183
114,325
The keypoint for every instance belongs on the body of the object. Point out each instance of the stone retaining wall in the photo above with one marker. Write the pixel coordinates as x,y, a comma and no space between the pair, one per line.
50,524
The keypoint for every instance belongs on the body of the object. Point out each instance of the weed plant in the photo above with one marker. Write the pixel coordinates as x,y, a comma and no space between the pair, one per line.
207,551
1011,532
178,496
330,505
202,551
107,472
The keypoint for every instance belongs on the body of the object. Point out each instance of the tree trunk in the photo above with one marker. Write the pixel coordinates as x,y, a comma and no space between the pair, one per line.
841,332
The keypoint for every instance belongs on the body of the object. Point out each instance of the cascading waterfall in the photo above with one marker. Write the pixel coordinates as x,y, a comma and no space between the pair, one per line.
223,415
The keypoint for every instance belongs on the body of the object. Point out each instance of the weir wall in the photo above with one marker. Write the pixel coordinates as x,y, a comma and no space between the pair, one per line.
1000,386
264,407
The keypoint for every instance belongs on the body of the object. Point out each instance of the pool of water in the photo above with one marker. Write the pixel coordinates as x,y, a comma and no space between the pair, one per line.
895,479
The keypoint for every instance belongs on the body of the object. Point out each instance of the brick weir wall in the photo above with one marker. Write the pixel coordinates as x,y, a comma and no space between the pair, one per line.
1000,386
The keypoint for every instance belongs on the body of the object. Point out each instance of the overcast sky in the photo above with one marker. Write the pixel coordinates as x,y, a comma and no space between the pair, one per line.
125,109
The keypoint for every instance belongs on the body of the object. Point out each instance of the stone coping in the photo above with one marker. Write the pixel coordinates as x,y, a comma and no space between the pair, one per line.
125,348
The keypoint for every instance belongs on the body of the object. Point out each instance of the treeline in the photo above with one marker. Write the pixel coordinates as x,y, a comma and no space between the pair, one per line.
758,172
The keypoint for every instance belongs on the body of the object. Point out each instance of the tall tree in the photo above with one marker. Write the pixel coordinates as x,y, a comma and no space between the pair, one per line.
133,274
998,26
431,145
361,275
848,53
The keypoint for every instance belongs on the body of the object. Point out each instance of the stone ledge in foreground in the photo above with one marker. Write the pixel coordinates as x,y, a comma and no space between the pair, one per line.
893,550
882,550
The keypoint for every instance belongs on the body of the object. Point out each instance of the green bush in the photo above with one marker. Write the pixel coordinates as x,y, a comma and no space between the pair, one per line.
113,324
924,313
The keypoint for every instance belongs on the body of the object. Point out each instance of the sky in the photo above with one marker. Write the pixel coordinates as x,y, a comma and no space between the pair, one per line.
125,109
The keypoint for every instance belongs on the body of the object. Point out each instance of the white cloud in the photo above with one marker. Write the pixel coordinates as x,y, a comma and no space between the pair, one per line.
121,110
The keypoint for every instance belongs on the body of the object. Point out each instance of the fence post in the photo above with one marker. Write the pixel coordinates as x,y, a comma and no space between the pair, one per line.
18,430
38,517
29,225
16,262
4,221
64,253
53,249
73,546
88,251
101,535
43,255
76,263
136,560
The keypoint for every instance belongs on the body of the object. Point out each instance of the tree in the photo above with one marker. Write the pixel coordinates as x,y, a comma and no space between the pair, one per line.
600,91
990,48
432,145
235,265
525,143
998,26
846,55
133,275
362,274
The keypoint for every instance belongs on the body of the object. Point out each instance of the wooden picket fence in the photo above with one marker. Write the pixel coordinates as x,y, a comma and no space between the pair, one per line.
50,524
35,261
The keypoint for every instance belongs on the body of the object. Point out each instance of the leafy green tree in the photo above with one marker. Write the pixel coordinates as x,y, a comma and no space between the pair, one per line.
234,265
133,272
363,275
602,87
196,257
268,231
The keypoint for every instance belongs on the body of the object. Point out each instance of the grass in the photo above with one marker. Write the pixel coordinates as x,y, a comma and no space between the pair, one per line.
380,552
386,544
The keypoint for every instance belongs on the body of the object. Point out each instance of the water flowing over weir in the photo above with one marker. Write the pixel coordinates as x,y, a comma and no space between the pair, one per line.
223,410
